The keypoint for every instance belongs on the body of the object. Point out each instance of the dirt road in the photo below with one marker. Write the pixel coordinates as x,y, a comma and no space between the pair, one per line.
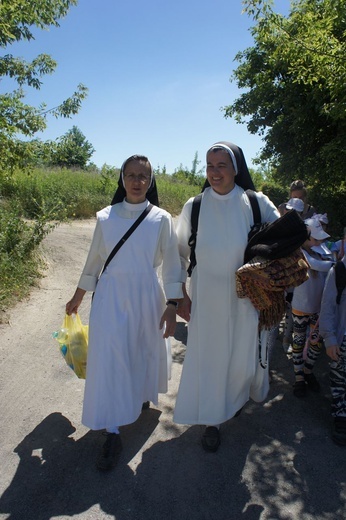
276,460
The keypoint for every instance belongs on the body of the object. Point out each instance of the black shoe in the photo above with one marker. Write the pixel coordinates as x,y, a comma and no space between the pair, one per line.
146,405
312,382
211,438
110,452
339,431
299,389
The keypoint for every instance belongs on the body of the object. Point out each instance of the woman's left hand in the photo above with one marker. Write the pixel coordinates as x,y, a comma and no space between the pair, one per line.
169,317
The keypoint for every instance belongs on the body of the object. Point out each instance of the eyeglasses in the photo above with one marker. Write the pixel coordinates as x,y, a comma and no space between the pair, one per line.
141,178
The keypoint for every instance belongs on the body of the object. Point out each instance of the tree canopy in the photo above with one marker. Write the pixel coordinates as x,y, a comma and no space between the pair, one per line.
72,150
293,83
17,19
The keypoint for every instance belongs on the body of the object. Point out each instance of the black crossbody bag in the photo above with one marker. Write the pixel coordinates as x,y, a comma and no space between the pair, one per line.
125,237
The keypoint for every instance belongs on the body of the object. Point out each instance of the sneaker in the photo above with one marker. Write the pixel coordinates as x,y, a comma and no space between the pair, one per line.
110,452
339,431
146,405
312,382
299,389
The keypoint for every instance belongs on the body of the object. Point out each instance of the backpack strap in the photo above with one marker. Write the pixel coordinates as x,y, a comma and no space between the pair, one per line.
340,279
254,206
196,206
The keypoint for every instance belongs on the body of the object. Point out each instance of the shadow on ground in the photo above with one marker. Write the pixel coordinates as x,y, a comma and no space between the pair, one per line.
276,461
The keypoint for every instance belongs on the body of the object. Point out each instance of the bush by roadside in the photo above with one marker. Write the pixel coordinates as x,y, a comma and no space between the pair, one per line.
33,204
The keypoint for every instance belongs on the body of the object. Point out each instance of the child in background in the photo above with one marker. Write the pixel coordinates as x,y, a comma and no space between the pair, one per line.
298,205
339,247
333,331
306,303
323,249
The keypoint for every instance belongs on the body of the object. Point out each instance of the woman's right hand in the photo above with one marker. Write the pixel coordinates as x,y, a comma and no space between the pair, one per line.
73,305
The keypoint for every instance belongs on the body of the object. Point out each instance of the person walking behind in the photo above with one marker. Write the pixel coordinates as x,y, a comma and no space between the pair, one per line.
128,354
306,304
298,190
333,331
221,368
298,205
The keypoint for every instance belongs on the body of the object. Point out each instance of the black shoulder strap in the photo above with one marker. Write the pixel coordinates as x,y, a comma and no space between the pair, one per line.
254,206
340,279
127,234
196,205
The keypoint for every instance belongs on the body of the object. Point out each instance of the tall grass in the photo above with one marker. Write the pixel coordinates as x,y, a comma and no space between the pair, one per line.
33,204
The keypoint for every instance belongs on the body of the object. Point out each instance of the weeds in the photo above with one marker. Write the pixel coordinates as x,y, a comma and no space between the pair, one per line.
32,205
19,262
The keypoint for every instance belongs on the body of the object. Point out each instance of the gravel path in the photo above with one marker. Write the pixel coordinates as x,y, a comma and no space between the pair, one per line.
276,460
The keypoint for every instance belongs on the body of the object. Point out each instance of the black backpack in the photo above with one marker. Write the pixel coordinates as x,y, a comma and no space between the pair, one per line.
340,279
196,205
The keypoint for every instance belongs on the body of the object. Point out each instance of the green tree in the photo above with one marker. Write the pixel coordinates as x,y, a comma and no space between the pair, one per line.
72,150
293,81
17,18
193,176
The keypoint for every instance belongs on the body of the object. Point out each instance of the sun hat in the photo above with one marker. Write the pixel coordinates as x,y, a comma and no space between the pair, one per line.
315,228
296,204
322,218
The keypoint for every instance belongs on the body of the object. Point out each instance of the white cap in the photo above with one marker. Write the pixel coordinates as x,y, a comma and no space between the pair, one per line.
322,218
315,228
296,204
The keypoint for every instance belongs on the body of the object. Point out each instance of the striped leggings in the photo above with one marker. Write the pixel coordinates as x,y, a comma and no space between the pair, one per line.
300,328
337,378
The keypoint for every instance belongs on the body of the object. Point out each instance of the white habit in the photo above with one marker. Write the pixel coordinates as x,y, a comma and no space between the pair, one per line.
128,359
221,368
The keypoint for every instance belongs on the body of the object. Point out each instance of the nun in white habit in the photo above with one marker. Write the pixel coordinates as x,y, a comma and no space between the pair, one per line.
221,369
131,315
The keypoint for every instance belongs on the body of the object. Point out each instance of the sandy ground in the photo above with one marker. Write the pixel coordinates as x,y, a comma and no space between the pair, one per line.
276,460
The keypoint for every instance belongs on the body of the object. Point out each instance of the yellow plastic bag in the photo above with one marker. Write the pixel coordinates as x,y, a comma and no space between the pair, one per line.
73,342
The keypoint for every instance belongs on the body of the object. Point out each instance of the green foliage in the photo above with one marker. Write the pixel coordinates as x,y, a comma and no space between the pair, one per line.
17,18
172,194
33,204
72,150
19,264
194,176
293,82
58,195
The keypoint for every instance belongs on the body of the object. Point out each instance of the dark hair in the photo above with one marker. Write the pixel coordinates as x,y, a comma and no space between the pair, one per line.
136,157
298,185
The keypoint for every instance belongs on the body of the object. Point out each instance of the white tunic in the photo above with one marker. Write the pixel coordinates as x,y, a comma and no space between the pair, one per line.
221,368
128,357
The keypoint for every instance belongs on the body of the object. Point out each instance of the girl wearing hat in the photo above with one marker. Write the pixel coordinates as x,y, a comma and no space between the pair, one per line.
306,304
299,191
128,353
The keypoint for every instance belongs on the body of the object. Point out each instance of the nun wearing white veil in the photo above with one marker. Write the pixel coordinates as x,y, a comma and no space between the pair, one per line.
221,369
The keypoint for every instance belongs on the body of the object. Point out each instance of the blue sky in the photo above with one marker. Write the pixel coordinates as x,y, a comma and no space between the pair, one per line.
158,74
